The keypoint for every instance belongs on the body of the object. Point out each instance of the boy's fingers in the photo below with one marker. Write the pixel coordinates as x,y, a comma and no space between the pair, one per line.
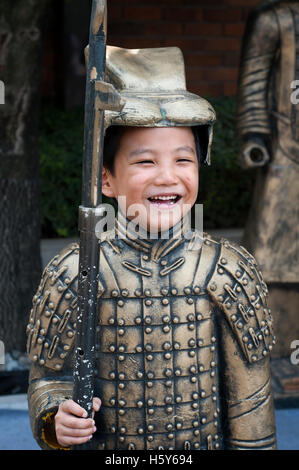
69,406
65,431
77,423
96,404
72,425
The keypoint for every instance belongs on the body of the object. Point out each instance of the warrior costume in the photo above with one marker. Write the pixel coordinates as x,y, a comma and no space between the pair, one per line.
184,331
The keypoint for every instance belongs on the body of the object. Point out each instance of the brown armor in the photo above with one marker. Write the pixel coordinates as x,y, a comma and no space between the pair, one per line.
183,343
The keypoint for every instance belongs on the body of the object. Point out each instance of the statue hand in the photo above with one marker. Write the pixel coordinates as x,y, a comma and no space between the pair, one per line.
254,153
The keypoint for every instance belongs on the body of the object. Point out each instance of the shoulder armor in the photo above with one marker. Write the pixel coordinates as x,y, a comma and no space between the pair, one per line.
52,321
237,287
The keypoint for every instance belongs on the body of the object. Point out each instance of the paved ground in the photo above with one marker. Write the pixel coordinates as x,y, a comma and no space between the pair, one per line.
15,432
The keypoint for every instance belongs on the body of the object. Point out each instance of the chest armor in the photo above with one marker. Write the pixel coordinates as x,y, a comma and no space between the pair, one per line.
159,336
157,362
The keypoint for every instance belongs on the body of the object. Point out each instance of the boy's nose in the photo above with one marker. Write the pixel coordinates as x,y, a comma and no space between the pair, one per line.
166,176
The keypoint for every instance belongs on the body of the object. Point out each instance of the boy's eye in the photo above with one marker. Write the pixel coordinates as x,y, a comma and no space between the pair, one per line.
185,159
143,162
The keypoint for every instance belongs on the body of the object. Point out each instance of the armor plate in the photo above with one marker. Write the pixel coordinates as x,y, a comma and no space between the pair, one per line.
52,321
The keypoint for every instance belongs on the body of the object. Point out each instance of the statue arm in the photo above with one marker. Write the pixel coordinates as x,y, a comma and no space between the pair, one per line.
249,412
260,45
246,338
50,344
45,394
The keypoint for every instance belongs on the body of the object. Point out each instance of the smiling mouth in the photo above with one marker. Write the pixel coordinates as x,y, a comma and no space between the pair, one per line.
170,199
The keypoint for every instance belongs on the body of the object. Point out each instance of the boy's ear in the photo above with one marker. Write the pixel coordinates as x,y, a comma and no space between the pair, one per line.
106,183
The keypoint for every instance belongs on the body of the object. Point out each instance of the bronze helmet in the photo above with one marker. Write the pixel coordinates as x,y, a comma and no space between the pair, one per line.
153,85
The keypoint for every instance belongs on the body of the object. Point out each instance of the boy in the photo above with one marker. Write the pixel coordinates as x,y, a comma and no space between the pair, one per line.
184,331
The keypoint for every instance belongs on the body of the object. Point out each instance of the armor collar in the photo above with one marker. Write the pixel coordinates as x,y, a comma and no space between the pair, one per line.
154,245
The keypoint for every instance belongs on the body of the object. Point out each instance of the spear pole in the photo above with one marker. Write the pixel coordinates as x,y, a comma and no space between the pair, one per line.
99,97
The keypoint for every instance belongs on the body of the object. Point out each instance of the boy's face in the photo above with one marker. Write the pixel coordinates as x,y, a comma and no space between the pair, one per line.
156,170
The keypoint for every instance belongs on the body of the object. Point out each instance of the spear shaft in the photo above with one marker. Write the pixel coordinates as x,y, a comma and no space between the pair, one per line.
99,96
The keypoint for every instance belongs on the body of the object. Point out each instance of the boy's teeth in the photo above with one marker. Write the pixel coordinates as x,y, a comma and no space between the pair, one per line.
163,198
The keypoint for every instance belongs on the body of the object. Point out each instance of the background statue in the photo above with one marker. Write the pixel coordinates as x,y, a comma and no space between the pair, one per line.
268,125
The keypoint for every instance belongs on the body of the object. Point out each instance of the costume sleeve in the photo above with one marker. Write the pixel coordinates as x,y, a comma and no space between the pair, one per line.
260,44
246,338
50,344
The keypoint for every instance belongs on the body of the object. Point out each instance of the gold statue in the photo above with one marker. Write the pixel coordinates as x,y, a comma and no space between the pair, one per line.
184,331
268,124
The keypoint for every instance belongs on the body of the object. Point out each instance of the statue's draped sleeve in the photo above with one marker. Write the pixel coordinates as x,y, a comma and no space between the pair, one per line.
50,344
246,341
257,59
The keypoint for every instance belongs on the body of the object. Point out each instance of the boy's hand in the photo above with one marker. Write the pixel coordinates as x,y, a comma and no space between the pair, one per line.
71,425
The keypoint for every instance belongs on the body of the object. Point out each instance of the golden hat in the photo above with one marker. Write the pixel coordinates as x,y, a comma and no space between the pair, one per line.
152,83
